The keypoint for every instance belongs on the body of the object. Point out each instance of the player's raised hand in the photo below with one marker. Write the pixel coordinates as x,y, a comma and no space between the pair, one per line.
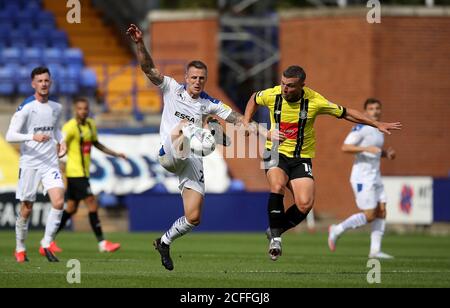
135,33
41,138
387,127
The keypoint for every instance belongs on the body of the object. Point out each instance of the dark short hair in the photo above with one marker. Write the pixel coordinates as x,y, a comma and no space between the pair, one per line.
39,71
197,64
371,101
295,71
80,100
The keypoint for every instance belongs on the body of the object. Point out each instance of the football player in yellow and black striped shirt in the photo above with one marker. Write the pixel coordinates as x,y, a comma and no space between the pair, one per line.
291,146
80,135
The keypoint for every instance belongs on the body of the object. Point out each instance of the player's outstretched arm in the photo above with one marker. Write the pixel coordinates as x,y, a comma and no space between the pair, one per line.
14,134
108,151
146,61
254,127
355,116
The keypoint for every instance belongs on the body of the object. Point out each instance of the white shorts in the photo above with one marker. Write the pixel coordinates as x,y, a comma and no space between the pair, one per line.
29,180
189,170
368,195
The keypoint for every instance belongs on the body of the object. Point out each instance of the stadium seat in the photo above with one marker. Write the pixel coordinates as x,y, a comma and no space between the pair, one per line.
19,38
88,81
32,55
58,39
7,82
53,56
73,56
11,56
25,17
38,38
23,81
46,18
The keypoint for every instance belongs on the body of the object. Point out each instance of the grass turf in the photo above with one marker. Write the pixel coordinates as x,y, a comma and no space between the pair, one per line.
231,261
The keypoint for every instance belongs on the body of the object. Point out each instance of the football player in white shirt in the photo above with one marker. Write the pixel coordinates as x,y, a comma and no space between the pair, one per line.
36,125
185,108
366,143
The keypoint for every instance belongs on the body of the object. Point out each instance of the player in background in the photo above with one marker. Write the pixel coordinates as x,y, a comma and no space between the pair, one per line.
291,147
36,125
366,143
81,134
185,108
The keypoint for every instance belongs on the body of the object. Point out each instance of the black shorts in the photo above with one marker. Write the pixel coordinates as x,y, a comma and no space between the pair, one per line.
78,189
295,168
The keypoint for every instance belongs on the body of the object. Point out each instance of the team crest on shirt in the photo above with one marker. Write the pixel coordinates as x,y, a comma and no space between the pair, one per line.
203,109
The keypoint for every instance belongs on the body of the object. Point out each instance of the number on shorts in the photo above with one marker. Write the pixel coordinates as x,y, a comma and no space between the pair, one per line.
307,168
57,175
202,177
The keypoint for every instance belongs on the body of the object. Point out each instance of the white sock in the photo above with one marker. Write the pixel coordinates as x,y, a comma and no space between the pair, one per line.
53,222
378,227
353,222
21,233
179,228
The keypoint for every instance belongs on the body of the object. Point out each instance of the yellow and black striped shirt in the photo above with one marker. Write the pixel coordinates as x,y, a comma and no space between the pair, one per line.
296,119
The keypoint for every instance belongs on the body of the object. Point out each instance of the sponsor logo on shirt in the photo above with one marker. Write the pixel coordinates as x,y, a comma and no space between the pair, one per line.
44,129
184,117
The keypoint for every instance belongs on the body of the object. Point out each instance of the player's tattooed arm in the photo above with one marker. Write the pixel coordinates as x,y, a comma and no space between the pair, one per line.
355,116
146,61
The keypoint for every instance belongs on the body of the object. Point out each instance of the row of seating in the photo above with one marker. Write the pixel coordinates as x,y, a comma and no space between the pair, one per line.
66,80
35,55
22,38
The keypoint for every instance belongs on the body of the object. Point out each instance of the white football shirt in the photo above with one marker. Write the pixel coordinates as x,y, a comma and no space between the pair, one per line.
179,105
366,168
33,117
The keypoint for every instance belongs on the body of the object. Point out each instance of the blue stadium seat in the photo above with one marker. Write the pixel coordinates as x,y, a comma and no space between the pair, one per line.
32,55
47,18
26,27
19,38
24,81
53,56
26,16
58,39
7,82
38,39
73,56
88,78
69,83
11,56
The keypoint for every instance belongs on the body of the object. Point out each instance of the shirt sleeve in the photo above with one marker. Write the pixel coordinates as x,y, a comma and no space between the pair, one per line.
327,107
168,84
67,132
14,134
222,110
355,136
261,98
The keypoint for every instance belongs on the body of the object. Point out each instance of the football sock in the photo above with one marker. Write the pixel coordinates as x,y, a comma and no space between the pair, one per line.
277,219
96,226
378,227
53,222
65,218
293,218
353,222
21,233
179,228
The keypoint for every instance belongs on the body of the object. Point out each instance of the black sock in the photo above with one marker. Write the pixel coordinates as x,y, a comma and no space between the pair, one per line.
65,217
277,219
293,218
96,227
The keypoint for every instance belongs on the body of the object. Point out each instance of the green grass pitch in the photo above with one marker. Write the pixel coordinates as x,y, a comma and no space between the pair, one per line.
231,261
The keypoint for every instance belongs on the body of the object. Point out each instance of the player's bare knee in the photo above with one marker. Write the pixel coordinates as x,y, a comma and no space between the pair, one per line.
381,213
370,216
194,220
277,188
304,205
